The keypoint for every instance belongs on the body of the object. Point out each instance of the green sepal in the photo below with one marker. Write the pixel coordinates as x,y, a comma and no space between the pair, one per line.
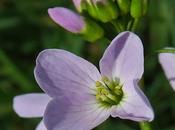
102,11
91,9
107,11
92,31
145,6
124,5
136,9
83,6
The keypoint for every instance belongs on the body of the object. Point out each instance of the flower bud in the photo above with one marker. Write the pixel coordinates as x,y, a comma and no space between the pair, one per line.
67,19
91,31
124,5
102,10
136,8
75,23
145,6
106,11
79,4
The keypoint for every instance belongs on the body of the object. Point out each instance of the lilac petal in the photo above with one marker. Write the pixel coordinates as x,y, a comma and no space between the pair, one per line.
58,72
77,4
67,19
30,105
167,61
134,105
123,58
74,114
41,126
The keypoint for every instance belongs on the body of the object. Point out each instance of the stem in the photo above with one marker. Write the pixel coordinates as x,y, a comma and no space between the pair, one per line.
135,24
145,126
129,25
117,26
121,26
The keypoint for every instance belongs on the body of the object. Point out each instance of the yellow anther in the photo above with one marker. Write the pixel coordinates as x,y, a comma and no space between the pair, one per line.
108,82
118,91
105,79
98,84
118,87
104,92
116,81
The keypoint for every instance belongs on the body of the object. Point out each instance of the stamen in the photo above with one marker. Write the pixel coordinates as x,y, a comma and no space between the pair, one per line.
108,83
108,92
98,84
116,81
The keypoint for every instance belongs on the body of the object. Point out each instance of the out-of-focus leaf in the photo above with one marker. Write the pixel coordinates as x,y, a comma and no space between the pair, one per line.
6,23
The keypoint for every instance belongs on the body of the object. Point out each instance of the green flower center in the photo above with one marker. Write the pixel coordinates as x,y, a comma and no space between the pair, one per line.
108,92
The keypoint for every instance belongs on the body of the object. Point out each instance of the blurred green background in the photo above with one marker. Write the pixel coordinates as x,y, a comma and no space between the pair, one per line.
26,29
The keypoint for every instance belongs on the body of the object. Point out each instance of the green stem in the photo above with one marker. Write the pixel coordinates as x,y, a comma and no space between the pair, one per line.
145,126
129,25
14,73
121,26
117,26
135,24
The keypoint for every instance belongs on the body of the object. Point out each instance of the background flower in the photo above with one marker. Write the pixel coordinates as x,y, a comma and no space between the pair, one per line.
167,61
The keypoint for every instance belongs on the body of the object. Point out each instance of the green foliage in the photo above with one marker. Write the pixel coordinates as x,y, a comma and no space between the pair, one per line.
26,29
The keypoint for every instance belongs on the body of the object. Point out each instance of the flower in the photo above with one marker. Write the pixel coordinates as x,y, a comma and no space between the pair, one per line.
82,98
75,23
67,19
31,105
167,61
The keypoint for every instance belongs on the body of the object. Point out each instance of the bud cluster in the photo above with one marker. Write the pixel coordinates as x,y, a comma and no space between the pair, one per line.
103,18
121,14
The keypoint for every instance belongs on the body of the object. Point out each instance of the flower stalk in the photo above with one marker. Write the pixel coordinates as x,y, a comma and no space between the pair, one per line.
145,126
